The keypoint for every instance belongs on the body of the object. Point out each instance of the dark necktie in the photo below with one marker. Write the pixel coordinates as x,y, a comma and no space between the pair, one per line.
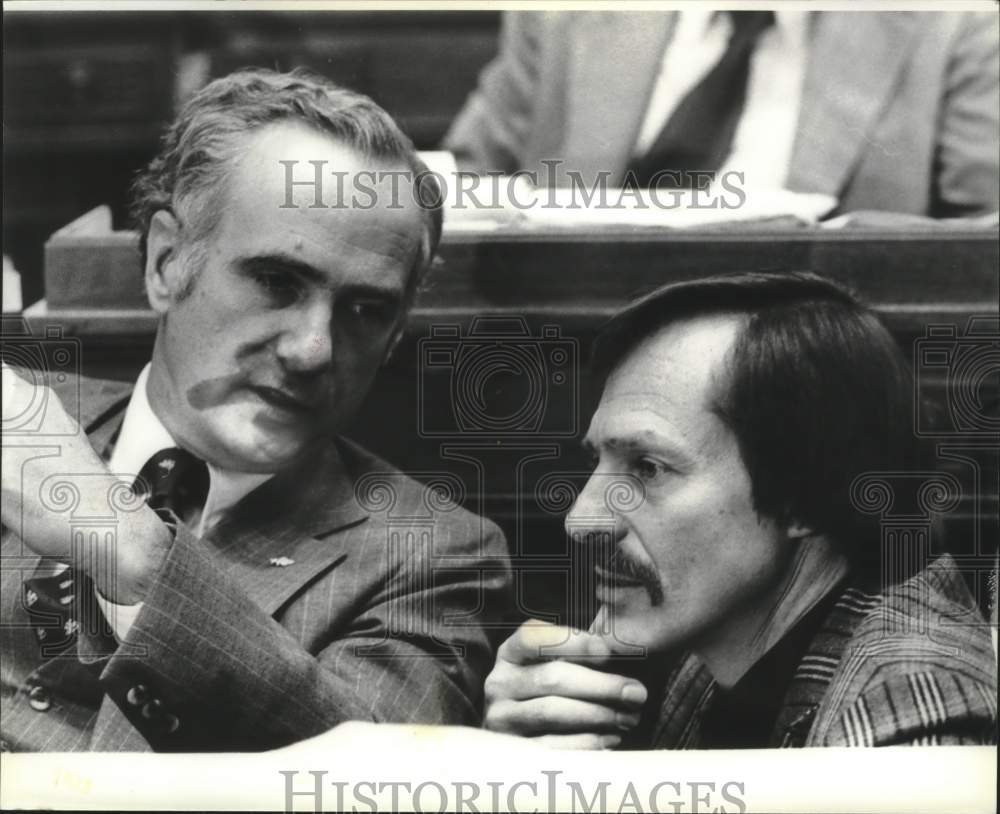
699,133
174,479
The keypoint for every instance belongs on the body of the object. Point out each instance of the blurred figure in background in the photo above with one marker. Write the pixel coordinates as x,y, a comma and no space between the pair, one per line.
894,111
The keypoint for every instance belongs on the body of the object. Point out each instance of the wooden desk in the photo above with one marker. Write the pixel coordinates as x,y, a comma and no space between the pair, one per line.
912,278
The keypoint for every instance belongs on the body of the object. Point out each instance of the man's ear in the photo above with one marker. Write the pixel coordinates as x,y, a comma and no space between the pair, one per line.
162,270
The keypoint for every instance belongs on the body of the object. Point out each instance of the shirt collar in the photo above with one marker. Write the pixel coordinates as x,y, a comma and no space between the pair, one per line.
143,435
817,566
791,25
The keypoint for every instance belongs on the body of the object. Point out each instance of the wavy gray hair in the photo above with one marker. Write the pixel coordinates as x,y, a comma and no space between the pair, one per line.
199,149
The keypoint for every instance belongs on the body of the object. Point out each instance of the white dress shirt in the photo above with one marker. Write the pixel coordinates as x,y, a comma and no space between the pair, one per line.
142,436
765,134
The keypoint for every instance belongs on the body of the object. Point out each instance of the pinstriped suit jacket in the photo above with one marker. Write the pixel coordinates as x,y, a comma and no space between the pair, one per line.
912,665
384,614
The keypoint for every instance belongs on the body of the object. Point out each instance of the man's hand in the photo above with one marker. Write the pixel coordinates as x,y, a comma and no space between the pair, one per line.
546,684
51,475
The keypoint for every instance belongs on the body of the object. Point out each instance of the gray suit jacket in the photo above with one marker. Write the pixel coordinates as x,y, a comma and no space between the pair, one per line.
384,613
899,109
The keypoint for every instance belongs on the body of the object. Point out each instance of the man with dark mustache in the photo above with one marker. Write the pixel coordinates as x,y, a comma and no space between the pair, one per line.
742,601
266,589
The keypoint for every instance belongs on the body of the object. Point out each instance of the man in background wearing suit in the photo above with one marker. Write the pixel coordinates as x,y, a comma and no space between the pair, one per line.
888,111
754,419
265,590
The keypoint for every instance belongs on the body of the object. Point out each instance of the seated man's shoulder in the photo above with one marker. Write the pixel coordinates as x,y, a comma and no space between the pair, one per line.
930,619
84,398
920,666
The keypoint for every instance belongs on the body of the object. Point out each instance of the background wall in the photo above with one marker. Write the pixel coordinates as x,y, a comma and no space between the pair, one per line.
86,95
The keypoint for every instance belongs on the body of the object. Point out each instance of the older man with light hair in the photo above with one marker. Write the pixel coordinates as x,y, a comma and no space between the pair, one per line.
255,592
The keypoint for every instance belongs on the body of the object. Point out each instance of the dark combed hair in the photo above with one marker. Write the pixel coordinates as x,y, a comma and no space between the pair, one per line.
208,136
817,392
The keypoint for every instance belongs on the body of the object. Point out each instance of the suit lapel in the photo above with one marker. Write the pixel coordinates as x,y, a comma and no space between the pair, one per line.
608,89
289,530
813,676
99,405
689,691
849,81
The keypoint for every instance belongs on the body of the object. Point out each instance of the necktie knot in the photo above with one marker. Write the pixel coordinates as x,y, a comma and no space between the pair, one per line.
174,479
749,25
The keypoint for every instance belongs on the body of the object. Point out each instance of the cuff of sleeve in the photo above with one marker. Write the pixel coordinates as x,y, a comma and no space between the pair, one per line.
120,617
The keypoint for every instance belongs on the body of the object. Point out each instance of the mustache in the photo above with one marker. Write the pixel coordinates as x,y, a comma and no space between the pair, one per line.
617,565
620,564
629,569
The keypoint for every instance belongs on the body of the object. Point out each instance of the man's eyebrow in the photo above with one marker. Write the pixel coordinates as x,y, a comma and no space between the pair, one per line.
641,441
279,262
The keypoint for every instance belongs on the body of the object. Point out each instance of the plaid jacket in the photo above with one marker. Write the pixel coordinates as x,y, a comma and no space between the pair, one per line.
911,665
